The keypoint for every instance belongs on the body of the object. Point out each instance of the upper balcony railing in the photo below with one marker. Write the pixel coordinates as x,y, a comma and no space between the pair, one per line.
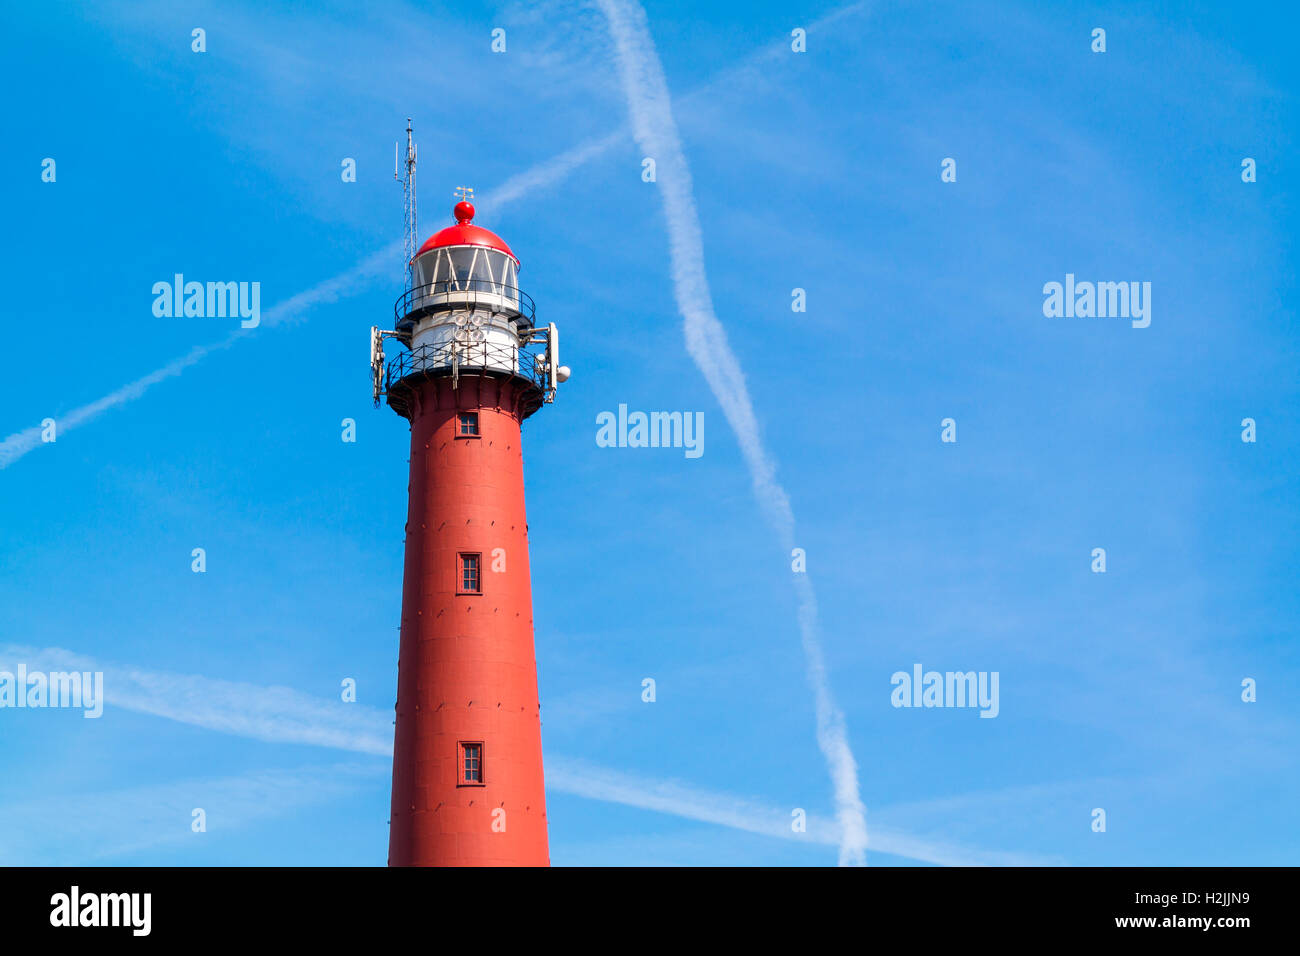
525,364
457,295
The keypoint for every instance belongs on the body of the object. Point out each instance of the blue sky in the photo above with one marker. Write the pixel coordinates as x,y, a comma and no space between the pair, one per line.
817,170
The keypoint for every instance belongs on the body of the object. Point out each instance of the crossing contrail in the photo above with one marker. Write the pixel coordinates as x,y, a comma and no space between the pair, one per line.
655,130
283,715
351,281
656,134
348,282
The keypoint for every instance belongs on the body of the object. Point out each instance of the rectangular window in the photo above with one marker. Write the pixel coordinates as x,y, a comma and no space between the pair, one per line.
467,425
471,763
470,576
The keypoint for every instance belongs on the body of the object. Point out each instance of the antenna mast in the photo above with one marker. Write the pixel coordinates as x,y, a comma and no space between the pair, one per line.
407,179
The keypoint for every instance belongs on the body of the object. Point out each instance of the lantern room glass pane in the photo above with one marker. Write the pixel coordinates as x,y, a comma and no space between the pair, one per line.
485,271
424,269
462,262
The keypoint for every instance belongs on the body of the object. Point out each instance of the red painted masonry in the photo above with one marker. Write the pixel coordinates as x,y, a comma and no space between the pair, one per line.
467,671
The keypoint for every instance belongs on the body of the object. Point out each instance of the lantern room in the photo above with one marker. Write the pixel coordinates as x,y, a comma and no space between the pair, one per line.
465,268
464,310
463,315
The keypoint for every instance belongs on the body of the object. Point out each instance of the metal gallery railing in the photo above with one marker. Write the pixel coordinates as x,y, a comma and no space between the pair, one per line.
527,362
454,295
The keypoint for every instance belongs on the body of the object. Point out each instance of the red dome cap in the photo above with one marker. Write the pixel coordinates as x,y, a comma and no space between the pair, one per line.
465,233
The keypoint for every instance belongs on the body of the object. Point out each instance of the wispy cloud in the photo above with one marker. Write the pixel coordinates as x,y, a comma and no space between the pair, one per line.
66,830
706,340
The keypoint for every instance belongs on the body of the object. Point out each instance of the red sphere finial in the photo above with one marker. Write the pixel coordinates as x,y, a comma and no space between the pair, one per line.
464,212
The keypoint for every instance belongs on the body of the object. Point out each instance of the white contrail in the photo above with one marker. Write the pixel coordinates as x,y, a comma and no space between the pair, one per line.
20,443
656,134
276,714
345,283
272,714
545,173
692,803
350,281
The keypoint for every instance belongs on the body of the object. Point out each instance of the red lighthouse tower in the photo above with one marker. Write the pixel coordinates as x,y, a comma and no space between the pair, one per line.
467,753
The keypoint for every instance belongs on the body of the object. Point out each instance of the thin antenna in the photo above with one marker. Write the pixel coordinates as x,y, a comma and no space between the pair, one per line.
408,190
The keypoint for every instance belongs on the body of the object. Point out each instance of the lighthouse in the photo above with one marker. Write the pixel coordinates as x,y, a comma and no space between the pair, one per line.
473,365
